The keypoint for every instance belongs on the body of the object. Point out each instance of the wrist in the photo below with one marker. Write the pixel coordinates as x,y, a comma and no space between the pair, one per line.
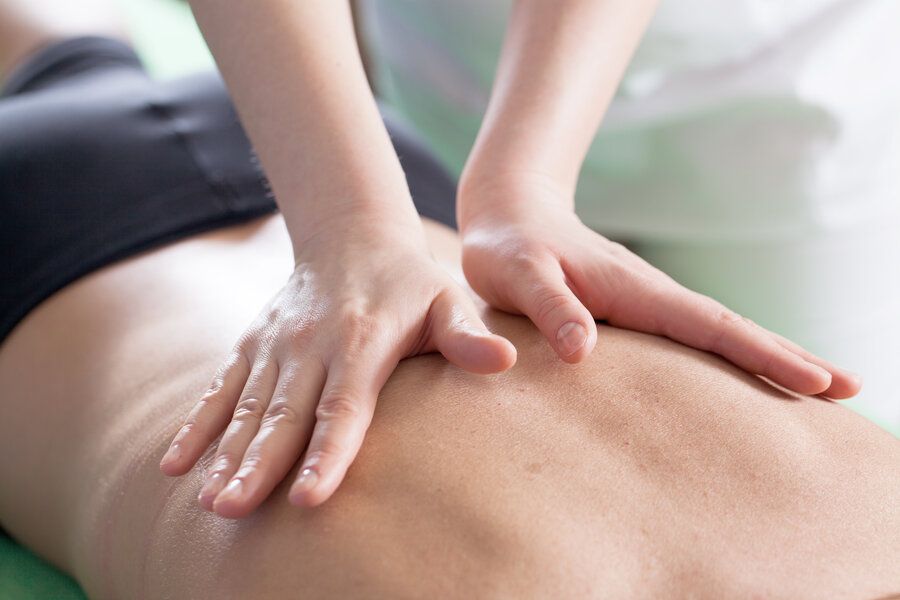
509,193
359,223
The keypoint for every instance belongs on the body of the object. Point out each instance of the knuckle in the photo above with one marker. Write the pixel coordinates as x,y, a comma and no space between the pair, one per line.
246,344
656,273
239,356
642,280
728,319
359,330
617,249
249,408
768,362
252,462
549,302
215,391
301,334
612,274
188,428
525,260
328,448
337,404
224,461
726,324
280,412
215,386
213,398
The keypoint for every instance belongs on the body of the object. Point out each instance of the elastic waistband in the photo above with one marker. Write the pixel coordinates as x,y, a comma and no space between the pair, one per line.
65,57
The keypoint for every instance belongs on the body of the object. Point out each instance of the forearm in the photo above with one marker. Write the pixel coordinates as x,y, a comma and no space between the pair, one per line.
560,67
294,71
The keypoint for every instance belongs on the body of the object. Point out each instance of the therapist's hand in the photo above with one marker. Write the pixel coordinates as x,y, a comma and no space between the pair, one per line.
305,376
525,251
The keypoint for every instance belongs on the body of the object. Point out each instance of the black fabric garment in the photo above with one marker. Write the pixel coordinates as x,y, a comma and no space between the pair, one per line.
98,161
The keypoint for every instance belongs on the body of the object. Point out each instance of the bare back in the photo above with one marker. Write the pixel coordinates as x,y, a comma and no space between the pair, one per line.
650,469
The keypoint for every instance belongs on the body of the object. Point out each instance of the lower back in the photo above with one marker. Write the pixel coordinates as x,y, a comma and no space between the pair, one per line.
650,470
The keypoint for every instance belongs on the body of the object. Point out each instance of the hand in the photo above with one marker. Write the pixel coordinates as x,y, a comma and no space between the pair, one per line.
310,368
525,252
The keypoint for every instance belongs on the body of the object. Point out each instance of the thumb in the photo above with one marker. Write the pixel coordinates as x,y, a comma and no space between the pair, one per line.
542,295
461,336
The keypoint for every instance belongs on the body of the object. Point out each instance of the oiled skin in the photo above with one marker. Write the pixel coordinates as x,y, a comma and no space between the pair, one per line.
649,470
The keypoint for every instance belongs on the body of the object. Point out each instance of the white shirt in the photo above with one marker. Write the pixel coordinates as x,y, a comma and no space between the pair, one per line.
736,120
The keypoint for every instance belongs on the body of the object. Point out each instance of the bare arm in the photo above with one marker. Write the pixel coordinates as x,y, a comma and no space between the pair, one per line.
560,67
295,73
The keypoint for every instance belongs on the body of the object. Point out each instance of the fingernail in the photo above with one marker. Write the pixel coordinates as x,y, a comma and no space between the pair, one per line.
307,481
571,338
856,377
171,455
211,488
823,372
231,492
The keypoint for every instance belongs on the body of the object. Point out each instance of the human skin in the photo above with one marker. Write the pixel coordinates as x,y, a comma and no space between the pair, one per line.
524,249
649,469
294,71
351,220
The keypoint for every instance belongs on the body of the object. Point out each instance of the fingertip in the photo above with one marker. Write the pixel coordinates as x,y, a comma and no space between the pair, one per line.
171,470
168,469
173,462
307,499
482,353
511,354
853,385
817,381
844,385
231,502
506,353
176,470
229,510
308,491
574,341
206,501
214,484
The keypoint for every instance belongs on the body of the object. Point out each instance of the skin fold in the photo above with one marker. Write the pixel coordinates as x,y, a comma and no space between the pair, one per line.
649,469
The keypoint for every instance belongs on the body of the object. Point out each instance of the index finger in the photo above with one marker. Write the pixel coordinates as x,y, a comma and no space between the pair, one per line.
844,384
342,417
703,323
